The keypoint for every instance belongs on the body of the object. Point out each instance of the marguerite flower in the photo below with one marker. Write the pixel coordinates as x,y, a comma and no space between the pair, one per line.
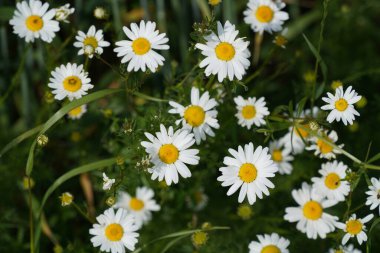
373,198
141,206
309,215
107,182
282,157
251,111
355,227
226,56
115,231
34,20
199,116
249,170
272,243
169,152
63,12
139,51
322,148
341,105
90,43
265,15
345,249
332,184
77,112
69,81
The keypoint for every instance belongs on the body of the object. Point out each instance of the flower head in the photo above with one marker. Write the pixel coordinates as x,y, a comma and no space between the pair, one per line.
63,12
90,43
323,148
251,111
107,182
272,243
373,199
355,227
77,112
281,155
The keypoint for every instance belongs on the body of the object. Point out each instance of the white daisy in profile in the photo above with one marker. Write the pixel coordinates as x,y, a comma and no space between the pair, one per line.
272,243
310,215
322,148
341,105
282,157
139,51
77,112
355,227
69,81
141,206
226,55
107,182
63,12
345,249
169,152
332,183
199,116
249,170
373,199
33,20
115,231
251,111
265,15
90,43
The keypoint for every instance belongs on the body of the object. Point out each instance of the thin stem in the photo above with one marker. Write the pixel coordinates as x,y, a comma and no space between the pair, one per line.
83,213
258,71
256,55
31,221
188,75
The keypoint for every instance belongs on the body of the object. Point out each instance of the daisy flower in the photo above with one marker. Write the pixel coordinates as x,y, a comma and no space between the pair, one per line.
332,184
139,51
226,55
90,43
345,249
281,156
199,116
251,111
341,105
63,12
281,39
169,152
322,148
309,215
249,170
265,15
115,231
69,81
141,206
107,182
33,20
272,243
355,227
77,112
198,200
373,198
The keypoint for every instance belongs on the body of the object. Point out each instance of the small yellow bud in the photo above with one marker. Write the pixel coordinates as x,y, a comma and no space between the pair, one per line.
335,84
66,199
107,113
362,102
354,127
199,238
28,183
280,41
214,2
309,76
49,97
58,249
75,136
206,225
120,160
244,211
42,140
110,201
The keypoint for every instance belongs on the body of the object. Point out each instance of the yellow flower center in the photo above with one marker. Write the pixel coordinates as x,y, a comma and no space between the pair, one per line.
324,147
34,23
168,153
199,238
270,249
354,227
248,112
136,204
90,41
248,172
302,132
264,14
280,40
277,155
341,104
312,210
76,111
332,181
141,46
194,115
114,232
72,83
225,51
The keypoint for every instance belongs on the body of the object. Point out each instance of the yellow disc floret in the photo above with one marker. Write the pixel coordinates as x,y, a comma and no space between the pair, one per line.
270,249
136,204
324,147
72,83
264,14
332,181
277,155
354,227
34,23
248,112
225,51
341,104
90,41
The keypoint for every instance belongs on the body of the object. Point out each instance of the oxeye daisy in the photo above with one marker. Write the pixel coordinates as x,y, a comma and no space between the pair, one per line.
114,231
309,215
141,206
33,20
341,105
139,51
199,116
332,184
249,170
282,157
169,152
272,243
90,43
373,199
63,12
355,227
251,111
77,112
69,81
345,249
265,15
324,149
226,55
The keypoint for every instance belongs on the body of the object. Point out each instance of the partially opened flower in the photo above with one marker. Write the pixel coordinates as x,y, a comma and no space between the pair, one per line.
345,249
355,227
90,43
63,12
251,111
324,149
272,243
281,156
77,112
373,199
107,182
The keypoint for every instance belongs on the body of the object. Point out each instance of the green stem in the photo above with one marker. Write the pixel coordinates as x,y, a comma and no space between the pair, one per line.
31,221
83,213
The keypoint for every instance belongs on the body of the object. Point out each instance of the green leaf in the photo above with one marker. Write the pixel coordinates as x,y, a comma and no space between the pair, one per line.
374,158
371,230
318,57
290,108
319,90
300,106
144,96
172,242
